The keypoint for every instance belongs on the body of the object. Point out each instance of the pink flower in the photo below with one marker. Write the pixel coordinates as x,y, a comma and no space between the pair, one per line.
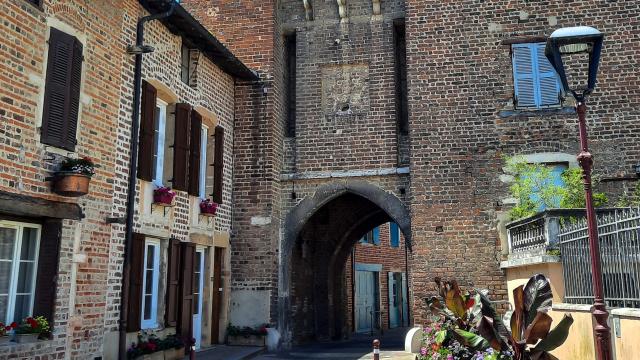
423,351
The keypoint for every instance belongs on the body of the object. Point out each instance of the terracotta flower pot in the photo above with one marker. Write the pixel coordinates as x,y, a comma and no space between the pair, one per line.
71,184
26,338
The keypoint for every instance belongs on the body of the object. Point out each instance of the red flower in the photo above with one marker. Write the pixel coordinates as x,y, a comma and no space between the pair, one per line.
152,346
14,325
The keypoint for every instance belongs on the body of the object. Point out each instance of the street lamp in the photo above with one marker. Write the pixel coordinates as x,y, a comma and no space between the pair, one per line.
567,49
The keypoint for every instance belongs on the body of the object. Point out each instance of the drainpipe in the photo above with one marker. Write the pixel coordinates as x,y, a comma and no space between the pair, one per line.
138,50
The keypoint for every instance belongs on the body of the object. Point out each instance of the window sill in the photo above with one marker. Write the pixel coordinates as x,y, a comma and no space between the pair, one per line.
565,110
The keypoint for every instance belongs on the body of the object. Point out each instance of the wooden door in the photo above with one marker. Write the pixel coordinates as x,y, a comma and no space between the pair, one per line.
216,301
365,300
395,300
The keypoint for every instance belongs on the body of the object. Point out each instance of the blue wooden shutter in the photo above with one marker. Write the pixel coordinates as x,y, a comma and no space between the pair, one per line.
548,82
376,235
524,81
394,234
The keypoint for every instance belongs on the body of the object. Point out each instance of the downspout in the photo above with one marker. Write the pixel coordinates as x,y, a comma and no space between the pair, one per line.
138,50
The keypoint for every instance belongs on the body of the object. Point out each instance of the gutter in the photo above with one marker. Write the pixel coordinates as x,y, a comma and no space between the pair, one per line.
139,49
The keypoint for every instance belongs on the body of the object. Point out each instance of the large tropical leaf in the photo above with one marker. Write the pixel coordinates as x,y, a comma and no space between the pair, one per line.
538,329
454,300
434,304
537,297
557,336
441,336
518,317
474,341
475,313
487,330
506,319
486,305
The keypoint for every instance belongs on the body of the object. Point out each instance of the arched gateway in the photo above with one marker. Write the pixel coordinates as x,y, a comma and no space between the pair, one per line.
319,234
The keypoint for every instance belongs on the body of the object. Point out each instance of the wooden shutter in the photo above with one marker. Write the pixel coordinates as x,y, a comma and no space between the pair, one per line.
194,153
548,81
187,279
173,282
147,131
62,91
48,256
523,75
218,165
394,234
181,146
136,272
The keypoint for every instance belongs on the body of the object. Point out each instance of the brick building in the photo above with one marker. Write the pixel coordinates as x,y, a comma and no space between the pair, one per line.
67,92
376,111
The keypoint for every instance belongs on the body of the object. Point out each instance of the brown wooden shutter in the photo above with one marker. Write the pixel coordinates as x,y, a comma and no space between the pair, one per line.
218,165
134,313
147,131
187,279
181,146
62,91
48,256
173,282
194,153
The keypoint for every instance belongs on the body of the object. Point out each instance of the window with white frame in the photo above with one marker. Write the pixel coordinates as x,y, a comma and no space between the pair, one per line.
159,141
202,176
19,245
150,283
536,83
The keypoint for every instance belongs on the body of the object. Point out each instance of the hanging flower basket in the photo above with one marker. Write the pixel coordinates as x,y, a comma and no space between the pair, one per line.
208,208
72,180
163,196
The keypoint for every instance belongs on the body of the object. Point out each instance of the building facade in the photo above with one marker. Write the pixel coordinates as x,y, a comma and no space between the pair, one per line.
404,111
68,93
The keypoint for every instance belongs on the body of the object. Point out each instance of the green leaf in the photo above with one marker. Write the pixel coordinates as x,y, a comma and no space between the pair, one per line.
441,336
557,336
475,342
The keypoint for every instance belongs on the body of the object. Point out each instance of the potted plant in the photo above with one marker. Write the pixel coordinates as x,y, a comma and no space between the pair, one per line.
148,347
247,336
30,329
73,177
173,347
4,332
163,196
208,207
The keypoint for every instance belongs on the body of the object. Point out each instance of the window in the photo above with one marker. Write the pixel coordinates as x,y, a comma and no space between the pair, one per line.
159,126
400,51
150,280
62,91
185,64
536,84
202,176
19,246
394,234
290,74
372,237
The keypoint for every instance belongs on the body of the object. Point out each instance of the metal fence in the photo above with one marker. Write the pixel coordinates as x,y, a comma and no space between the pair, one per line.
619,236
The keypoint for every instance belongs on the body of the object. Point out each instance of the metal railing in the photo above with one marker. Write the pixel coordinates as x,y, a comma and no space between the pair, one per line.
619,236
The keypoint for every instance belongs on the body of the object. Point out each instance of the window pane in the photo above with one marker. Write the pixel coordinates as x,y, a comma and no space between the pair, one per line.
22,309
5,276
148,288
4,303
147,307
150,255
7,239
29,244
25,277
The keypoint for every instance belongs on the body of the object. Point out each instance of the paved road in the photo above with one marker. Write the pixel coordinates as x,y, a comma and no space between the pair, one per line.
359,347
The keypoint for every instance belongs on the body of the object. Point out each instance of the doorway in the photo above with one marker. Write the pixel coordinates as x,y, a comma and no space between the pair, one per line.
398,305
216,301
366,300
197,295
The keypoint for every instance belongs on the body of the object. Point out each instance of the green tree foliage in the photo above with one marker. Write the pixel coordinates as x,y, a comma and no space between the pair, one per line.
535,188
630,199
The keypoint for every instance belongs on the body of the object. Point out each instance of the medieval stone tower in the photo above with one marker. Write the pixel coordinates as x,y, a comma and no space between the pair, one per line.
371,111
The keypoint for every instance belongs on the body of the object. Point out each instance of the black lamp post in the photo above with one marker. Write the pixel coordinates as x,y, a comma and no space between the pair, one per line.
564,49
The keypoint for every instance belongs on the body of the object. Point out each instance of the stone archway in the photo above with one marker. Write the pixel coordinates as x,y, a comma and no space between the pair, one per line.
319,234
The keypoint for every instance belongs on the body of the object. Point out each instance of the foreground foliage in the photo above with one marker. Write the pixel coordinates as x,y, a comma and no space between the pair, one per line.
470,328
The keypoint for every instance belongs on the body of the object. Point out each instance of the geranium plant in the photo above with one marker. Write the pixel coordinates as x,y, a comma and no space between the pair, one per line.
163,195
31,325
208,207
247,331
83,166
147,344
5,329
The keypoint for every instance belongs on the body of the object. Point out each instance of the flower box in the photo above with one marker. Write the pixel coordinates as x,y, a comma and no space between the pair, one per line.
25,338
208,208
174,354
163,196
246,340
71,184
